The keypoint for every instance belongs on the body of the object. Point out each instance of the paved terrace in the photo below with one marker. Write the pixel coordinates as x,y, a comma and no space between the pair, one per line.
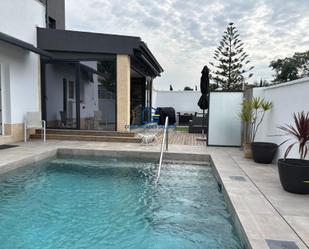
270,217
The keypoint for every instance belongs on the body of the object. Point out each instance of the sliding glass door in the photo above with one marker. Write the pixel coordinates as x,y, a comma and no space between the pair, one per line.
80,95
98,95
60,95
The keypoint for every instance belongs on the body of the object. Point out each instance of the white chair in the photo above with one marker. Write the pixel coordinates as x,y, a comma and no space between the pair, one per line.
33,121
98,120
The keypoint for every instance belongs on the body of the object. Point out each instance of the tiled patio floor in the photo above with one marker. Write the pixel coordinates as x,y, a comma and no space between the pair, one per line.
270,217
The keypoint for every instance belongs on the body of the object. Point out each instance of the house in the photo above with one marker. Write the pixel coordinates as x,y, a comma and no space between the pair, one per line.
77,80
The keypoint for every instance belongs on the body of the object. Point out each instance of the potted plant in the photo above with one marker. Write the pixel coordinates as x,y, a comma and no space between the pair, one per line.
252,114
262,152
294,173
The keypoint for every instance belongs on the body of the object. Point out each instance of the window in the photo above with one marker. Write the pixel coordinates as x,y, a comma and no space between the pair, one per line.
51,23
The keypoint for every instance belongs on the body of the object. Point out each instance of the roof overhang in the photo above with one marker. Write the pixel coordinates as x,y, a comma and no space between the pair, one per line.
65,44
21,44
85,42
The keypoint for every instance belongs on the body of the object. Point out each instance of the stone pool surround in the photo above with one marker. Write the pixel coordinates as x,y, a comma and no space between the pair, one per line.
259,223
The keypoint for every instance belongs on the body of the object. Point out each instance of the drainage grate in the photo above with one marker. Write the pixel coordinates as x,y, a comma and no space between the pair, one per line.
7,146
238,178
281,244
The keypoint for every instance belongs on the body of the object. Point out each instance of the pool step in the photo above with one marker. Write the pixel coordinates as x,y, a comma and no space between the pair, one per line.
88,136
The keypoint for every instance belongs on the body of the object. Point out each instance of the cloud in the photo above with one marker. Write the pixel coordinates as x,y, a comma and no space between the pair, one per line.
184,34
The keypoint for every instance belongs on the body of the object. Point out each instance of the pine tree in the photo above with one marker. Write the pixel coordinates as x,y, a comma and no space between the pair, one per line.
229,73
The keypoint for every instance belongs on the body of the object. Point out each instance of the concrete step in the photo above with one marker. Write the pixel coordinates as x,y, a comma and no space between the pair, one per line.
100,138
87,133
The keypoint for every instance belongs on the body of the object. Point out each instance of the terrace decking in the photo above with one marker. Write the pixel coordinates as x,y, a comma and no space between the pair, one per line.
83,135
182,138
174,137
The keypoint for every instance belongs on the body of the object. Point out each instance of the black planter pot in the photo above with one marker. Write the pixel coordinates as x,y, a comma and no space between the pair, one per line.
294,175
263,152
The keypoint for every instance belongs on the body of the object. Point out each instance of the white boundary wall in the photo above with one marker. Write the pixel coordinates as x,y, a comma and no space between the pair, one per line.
287,98
181,101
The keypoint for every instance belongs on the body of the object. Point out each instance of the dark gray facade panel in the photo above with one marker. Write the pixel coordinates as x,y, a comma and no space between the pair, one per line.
141,68
147,53
84,42
56,10
74,45
74,56
21,44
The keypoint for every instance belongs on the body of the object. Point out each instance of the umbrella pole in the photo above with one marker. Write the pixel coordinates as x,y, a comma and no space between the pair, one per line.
203,137
203,132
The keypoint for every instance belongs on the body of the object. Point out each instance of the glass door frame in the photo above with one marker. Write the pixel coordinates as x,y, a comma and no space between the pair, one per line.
77,90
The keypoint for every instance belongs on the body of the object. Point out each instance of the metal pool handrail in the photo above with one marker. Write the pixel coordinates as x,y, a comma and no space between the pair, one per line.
164,142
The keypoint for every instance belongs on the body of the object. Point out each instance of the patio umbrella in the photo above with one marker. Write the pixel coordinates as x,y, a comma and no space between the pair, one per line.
203,101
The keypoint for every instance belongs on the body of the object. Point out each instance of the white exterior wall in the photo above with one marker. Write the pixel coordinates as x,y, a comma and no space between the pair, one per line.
181,101
21,79
19,18
287,98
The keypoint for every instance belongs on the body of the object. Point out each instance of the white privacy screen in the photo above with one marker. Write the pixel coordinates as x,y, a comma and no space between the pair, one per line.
224,127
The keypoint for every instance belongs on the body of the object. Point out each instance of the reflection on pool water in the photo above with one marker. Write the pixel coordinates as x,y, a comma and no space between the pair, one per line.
113,203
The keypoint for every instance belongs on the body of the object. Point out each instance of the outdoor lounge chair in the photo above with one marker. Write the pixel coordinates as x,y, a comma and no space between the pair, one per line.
184,118
196,124
33,121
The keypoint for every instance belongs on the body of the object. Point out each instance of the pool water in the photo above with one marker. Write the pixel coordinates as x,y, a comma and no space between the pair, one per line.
113,203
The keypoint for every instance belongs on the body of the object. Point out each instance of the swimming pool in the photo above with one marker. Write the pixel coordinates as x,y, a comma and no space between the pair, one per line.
113,203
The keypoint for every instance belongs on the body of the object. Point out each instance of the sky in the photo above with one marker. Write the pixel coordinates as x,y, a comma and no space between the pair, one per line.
183,34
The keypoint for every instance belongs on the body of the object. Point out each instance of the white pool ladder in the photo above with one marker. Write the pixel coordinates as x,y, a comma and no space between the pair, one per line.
163,144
